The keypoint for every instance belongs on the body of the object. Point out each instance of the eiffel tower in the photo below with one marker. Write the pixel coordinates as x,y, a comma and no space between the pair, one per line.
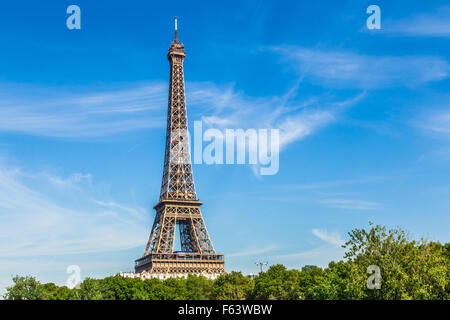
178,203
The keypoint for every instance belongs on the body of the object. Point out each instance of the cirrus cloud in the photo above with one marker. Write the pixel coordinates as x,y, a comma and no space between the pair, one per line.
346,69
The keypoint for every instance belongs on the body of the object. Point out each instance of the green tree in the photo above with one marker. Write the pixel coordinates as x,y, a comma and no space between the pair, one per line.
446,253
198,288
278,283
50,291
232,286
53,292
65,293
90,289
24,288
173,289
153,289
120,288
341,280
409,269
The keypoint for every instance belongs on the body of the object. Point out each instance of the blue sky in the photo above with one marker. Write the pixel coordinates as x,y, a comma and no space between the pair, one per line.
364,118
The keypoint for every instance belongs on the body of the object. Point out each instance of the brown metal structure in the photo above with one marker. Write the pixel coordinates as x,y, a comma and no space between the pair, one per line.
178,203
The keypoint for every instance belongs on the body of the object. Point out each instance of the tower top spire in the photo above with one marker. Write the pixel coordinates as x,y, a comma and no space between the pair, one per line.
176,29
176,47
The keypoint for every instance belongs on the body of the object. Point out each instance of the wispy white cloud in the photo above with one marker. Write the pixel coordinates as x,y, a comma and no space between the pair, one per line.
438,122
333,238
75,180
67,114
295,119
297,126
436,24
346,69
252,252
351,204
137,213
35,220
84,113
60,112
334,183
320,257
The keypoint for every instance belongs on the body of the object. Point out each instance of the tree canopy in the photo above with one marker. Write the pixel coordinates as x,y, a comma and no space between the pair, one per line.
408,269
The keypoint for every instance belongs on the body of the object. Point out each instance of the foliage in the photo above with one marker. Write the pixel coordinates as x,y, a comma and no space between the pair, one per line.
25,288
409,269
277,283
198,288
232,286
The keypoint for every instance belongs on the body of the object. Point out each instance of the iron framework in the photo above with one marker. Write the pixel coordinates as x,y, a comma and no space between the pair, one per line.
178,203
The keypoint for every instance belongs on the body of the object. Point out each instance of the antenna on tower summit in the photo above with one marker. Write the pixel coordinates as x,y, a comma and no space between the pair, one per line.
176,29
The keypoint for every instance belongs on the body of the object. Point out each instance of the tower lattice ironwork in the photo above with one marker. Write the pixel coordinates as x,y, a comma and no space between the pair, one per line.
178,203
